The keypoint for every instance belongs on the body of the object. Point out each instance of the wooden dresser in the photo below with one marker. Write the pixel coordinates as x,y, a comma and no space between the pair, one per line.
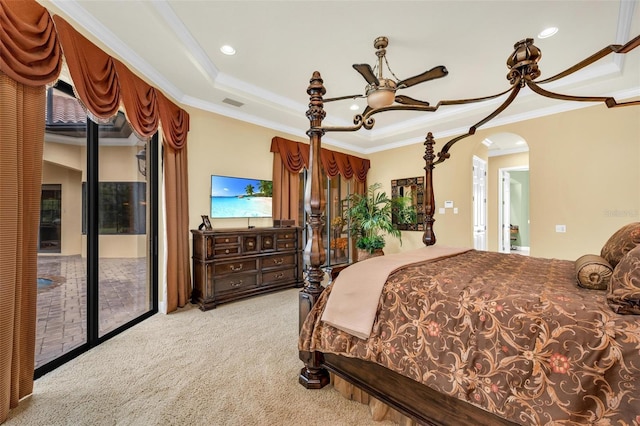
230,264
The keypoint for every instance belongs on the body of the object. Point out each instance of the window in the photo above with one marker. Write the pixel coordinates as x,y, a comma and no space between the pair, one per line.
50,219
335,234
122,208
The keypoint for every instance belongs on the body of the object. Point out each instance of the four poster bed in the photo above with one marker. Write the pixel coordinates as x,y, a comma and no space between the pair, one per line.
453,336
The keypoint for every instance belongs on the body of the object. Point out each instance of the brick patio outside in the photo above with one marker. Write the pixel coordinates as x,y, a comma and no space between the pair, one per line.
62,302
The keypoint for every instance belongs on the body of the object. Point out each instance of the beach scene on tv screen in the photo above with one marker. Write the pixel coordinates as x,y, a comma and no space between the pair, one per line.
240,197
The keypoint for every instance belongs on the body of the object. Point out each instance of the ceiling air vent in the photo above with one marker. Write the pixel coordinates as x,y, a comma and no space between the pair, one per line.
232,102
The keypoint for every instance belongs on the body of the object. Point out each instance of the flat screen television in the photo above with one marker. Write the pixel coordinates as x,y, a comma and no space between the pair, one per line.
240,197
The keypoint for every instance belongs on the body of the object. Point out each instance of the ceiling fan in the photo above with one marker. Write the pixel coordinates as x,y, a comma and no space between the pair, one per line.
381,92
523,72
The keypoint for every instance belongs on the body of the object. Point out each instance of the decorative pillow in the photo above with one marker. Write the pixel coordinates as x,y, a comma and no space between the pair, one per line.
593,272
624,288
620,243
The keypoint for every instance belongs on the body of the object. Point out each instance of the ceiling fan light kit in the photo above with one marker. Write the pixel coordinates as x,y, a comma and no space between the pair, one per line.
382,95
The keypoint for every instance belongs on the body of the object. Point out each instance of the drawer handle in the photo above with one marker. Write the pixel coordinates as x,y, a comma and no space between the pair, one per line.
226,240
236,268
280,275
278,261
236,283
226,251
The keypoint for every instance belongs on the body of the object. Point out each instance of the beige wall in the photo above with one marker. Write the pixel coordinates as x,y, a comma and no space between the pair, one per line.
220,145
452,182
71,190
584,173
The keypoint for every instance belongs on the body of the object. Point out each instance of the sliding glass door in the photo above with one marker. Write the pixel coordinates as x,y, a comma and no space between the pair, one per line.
124,291
62,305
96,267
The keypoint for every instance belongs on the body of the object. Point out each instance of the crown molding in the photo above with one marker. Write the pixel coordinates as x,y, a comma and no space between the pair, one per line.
85,20
194,51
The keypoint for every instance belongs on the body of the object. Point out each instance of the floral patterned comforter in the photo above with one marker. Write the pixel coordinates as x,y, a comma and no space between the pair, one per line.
511,334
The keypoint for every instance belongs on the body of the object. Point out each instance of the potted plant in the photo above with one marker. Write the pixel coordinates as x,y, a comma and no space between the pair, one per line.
370,218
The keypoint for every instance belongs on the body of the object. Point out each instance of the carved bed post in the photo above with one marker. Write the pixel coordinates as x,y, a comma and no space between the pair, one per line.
312,376
429,237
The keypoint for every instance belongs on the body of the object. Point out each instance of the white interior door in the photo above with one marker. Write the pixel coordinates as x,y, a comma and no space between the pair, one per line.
505,212
479,203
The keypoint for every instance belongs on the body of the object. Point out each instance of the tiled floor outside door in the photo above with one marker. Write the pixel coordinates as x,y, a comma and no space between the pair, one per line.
62,300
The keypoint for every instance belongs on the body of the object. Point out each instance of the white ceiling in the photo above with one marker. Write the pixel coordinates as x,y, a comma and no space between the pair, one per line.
175,45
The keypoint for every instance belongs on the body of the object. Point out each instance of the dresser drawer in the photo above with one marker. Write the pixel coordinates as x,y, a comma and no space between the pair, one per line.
250,244
278,261
235,283
286,244
237,266
282,275
226,245
267,242
288,235
227,251
226,239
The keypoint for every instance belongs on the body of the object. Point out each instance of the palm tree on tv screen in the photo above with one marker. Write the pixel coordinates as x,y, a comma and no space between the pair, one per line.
249,189
266,188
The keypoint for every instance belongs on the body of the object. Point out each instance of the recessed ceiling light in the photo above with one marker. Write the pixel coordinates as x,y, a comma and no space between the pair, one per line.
548,32
487,142
354,107
228,50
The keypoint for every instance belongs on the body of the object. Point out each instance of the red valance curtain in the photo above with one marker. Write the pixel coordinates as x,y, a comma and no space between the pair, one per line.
29,47
295,156
141,102
102,83
290,157
93,72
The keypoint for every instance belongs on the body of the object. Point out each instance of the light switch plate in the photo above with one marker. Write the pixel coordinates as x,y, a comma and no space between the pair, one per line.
561,228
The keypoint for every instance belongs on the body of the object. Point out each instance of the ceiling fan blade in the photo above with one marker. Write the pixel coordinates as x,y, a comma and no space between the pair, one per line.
366,71
435,72
340,98
406,100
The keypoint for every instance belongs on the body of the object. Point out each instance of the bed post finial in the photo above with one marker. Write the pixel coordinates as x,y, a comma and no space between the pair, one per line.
429,237
312,375
313,195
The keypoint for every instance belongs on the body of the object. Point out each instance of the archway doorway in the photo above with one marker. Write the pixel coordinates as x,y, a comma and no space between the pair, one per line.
508,218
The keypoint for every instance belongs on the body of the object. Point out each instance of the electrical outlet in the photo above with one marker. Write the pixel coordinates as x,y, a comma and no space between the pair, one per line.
561,228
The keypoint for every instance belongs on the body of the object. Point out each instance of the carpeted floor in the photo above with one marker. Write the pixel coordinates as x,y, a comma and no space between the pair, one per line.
233,365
